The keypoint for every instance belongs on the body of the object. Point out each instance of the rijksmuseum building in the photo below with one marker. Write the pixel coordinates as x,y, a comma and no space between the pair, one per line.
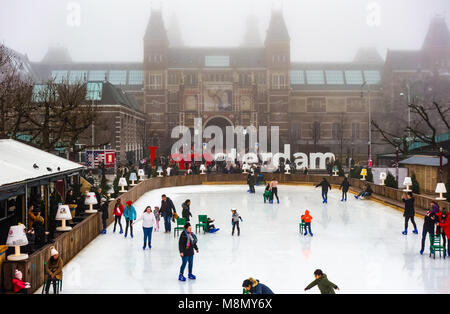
318,106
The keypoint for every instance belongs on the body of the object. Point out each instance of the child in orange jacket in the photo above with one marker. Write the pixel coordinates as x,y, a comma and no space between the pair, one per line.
307,219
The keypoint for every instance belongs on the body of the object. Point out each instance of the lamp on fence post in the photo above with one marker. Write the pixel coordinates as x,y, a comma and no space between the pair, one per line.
160,171
383,177
364,174
111,192
141,174
122,183
63,214
440,164
17,238
407,182
245,167
440,188
133,177
202,169
91,200
168,170
335,171
287,168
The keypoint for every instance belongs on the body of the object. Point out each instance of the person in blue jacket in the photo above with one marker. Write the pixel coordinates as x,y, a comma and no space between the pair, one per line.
130,216
253,286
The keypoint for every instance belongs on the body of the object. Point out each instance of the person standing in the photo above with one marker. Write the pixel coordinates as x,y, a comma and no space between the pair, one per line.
409,212
105,214
325,286
274,190
98,195
186,245
251,182
235,221
444,228
157,217
118,212
72,202
307,218
253,286
345,185
186,213
130,215
167,211
53,268
428,227
325,186
148,222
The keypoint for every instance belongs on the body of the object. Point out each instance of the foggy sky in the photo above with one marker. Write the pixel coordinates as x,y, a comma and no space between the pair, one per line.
113,30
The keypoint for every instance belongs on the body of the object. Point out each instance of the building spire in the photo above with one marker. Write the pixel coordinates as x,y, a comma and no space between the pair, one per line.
277,30
438,35
155,27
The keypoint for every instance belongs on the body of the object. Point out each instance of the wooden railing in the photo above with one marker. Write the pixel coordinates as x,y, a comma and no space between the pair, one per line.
70,243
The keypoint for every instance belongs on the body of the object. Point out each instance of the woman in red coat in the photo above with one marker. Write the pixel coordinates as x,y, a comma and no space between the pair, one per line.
444,223
118,212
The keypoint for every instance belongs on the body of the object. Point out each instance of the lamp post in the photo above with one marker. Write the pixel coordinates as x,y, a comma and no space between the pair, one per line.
440,164
369,143
408,99
396,163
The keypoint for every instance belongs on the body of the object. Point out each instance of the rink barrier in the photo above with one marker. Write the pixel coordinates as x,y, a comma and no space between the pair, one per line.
70,243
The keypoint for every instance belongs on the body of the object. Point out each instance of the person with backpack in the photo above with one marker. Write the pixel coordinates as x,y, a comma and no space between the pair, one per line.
186,245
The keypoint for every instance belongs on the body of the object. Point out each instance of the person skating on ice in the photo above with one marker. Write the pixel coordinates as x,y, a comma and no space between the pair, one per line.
344,187
186,245
251,181
325,286
442,216
186,213
253,286
167,210
307,218
267,193
409,212
365,193
428,227
210,227
130,215
148,223
157,217
325,186
235,221
118,212
274,190
445,225
105,214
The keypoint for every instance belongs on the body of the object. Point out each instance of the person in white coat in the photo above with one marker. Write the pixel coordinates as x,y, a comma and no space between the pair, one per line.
148,222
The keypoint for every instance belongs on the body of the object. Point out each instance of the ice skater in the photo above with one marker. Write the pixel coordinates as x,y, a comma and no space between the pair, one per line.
409,212
428,227
105,214
186,246
186,213
444,224
167,211
211,228
130,215
365,193
253,286
157,217
325,186
345,185
325,286
267,193
148,223
274,190
235,221
251,181
307,218
118,212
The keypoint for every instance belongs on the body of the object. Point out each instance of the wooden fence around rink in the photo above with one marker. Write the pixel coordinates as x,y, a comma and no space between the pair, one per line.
71,243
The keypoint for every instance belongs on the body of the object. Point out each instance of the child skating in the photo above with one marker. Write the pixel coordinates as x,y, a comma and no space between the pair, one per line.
307,218
325,286
235,221
267,193
157,217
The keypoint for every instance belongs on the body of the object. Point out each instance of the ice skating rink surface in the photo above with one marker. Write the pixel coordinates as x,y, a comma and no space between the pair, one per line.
358,245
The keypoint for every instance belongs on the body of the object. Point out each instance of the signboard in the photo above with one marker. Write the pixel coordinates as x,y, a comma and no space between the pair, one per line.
95,157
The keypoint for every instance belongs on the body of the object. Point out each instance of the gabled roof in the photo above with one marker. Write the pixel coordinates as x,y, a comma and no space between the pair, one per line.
277,30
17,160
438,34
368,55
57,55
155,27
406,60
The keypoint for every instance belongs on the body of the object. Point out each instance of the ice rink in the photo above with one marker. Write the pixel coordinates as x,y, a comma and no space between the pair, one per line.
358,245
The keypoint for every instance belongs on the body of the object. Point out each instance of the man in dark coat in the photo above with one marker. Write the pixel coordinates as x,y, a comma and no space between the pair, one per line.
428,227
105,214
345,185
251,180
98,195
186,213
409,212
325,186
167,210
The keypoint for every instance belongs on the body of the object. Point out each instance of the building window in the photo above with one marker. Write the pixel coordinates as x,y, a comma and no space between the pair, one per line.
355,130
316,130
336,131
155,81
278,81
295,131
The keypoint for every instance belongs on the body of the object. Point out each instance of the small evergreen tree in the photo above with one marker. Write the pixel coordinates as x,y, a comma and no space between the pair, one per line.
415,184
391,181
355,173
447,195
369,177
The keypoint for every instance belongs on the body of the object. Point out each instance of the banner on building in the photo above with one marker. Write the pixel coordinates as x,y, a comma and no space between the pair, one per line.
95,157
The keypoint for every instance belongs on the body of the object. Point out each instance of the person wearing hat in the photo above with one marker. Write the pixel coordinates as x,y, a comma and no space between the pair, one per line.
53,268
252,286
19,285
105,214
130,215
186,245
235,221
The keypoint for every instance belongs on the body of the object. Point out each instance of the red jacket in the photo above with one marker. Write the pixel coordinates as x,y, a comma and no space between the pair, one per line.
306,217
18,285
446,226
118,211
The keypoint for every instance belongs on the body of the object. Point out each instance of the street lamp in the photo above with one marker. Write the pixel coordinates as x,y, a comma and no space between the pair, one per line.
440,164
396,163
369,143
